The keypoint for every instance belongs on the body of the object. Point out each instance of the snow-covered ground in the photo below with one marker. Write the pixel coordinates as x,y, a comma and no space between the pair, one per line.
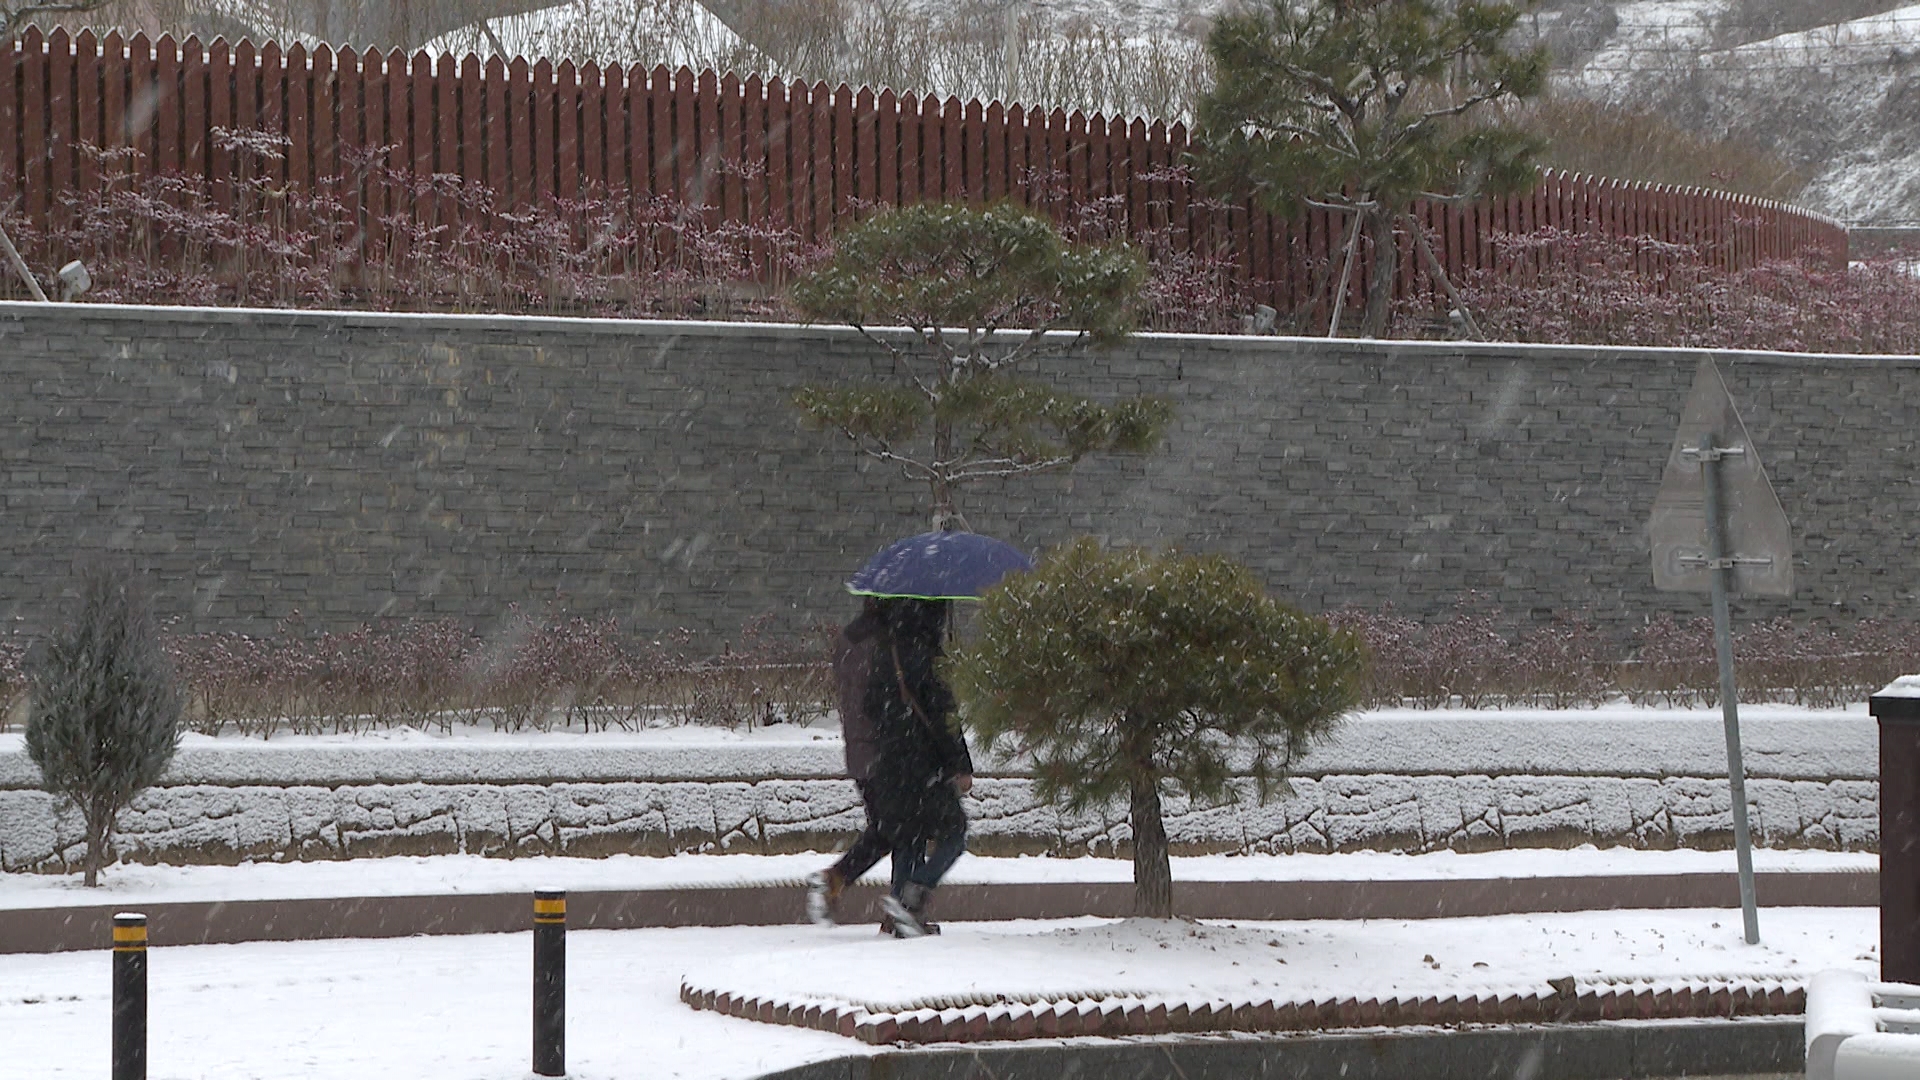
457,1007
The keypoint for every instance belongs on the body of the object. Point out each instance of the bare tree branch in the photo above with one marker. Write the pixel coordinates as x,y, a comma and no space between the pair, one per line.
983,471
12,18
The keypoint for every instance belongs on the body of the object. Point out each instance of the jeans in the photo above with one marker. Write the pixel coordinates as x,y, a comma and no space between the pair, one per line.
914,864
868,849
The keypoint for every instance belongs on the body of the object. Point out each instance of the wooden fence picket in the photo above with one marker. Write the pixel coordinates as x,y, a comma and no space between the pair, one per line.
887,148
87,90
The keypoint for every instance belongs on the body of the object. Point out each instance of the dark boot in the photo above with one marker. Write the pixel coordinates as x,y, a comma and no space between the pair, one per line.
905,910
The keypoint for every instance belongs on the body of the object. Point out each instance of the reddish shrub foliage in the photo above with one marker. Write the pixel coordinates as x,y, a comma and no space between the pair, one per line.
1554,286
537,673
354,240
557,672
1463,661
13,676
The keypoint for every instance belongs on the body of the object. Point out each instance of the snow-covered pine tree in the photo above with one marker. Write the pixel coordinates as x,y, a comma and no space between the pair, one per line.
1130,674
104,707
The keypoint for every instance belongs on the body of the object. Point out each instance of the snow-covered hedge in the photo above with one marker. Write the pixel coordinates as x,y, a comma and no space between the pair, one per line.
1415,781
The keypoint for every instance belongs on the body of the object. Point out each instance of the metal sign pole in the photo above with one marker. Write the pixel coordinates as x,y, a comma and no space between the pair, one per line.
1722,570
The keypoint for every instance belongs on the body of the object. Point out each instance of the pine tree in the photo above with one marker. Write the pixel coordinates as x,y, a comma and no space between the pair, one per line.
982,290
1363,107
104,707
1130,674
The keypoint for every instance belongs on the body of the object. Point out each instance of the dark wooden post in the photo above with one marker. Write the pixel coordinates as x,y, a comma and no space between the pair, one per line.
1897,707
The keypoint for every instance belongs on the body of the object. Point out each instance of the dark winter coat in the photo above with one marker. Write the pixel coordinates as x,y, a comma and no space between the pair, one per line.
918,751
853,652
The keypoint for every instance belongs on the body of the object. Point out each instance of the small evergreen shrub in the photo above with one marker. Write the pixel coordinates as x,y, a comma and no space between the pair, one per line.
1134,675
104,714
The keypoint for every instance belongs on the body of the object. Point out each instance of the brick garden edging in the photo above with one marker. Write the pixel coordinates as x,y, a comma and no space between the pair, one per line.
1640,1050
1114,1016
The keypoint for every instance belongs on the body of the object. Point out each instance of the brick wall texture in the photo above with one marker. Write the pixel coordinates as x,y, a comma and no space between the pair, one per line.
355,466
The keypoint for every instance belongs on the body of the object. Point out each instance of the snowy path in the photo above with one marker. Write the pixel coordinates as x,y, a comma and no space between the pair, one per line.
457,1007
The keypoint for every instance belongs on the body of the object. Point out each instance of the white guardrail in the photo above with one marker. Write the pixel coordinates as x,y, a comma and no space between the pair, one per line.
1862,1030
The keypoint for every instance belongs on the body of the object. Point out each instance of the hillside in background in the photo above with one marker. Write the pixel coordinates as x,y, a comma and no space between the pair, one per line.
1831,87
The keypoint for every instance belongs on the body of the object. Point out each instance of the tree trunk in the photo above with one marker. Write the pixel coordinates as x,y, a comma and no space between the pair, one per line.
1386,265
96,849
945,514
1152,872
1349,250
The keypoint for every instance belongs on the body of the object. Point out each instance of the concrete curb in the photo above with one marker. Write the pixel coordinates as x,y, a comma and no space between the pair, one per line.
1748,1048
1118,1017
62,929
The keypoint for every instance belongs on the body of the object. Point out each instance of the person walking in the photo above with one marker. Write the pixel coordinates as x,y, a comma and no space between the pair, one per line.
903,754
853,651
921,765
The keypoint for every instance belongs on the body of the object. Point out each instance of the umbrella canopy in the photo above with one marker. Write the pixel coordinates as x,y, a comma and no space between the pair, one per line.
946,565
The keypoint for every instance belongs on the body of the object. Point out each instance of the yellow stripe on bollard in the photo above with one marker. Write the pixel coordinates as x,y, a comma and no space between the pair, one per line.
129,939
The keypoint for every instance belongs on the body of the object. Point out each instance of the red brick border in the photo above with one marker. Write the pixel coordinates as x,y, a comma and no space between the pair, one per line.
1666,999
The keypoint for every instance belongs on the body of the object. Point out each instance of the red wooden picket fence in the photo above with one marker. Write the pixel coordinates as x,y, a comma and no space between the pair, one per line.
771,155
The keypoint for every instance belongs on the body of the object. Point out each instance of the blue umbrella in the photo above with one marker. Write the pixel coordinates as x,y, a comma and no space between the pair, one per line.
948,565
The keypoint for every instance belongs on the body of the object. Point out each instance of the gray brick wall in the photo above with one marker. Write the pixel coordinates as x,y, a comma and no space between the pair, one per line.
351,466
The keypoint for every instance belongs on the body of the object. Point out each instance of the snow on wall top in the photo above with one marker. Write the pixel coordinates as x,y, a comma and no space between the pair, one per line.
1906,686
1778,742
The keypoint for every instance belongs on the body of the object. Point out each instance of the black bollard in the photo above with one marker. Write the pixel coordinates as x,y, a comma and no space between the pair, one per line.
129,997
549,982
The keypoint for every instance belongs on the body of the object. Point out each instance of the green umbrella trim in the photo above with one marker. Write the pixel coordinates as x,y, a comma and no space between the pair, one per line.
904,596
